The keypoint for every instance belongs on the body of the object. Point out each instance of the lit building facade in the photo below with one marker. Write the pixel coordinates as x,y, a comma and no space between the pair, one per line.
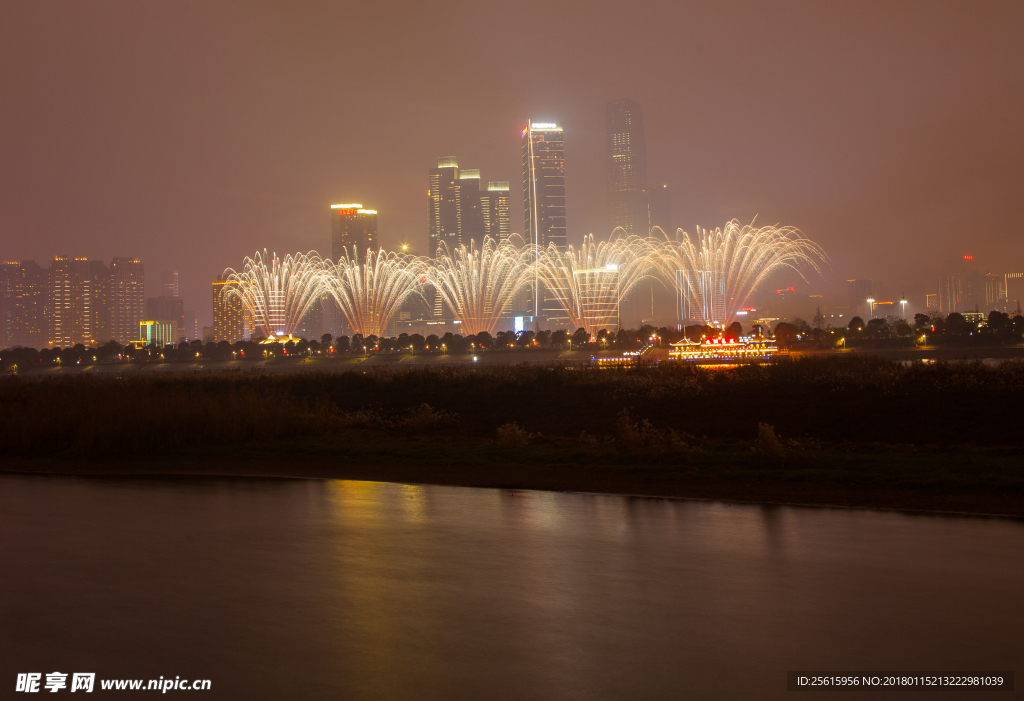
496,212
228,319
444,204
625,147
72,302
158,333
353,227
544,184
127,298
544,210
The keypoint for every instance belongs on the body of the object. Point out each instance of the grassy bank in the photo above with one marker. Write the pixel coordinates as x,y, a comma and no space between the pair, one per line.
850,430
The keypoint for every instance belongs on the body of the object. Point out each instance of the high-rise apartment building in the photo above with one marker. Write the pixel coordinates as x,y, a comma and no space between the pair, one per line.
228,322
444,203
127,298
71,302
661,209
354,228
8,276
496,211
625,148
544,184
99,281
170,283
23,307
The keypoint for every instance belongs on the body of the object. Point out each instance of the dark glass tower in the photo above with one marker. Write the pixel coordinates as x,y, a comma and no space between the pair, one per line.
625,148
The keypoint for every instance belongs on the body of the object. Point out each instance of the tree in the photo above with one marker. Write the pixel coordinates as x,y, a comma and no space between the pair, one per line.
326,340
484,340
957,325
735,330
580,338
342,345
856,324
543,338
418,342
877,328
559,338
785,334
902,329
819,320
433,342
922,321
526,339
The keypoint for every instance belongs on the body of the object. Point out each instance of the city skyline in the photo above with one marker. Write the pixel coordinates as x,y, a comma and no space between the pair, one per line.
927,168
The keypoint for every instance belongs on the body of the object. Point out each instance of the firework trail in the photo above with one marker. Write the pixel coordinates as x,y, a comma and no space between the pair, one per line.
739,259
589,282
276,292
370,293
478,284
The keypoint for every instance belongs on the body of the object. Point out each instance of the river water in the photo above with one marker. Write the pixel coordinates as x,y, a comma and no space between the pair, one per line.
277,589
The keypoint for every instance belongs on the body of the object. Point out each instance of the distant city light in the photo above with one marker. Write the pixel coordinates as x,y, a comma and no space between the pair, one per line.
346,206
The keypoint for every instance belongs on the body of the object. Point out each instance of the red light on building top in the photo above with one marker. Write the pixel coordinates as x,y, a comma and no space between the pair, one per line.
968,257
790,289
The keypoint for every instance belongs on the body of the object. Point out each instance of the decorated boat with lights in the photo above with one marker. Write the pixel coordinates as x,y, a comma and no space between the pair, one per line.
719,350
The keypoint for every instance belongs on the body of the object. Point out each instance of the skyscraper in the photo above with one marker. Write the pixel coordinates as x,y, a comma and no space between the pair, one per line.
99,276
25,305
170,281
8,276
227,313
625,148
496,212
544,184
71,302
444,203
354,228
127,298
661,209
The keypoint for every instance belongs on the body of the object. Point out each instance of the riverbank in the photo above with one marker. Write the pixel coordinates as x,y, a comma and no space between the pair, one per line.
841,430
958,480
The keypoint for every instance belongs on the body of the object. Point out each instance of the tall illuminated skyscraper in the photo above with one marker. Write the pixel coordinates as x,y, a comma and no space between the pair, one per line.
352,227
127,298
71,302
495,210
444,204
544,184
228,319
625,148
544,208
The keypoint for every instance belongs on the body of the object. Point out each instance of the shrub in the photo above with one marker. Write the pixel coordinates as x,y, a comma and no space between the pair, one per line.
767,442
513,436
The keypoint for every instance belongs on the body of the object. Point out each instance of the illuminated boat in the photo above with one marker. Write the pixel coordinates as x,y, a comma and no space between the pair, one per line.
713,351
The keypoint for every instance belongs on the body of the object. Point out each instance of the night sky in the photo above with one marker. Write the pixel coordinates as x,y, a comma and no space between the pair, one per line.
191,134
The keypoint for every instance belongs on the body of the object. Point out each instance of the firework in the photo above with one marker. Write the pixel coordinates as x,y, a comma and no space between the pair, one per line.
276,293
589,282
370,293
715,273
478,284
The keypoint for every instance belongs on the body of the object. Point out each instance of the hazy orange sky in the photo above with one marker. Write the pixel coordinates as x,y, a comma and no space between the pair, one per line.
193,133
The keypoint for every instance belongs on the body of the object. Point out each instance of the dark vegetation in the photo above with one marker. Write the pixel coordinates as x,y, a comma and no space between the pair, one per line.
852,401
837,429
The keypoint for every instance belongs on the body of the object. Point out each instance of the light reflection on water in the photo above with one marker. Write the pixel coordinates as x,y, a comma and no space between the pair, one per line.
340,589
